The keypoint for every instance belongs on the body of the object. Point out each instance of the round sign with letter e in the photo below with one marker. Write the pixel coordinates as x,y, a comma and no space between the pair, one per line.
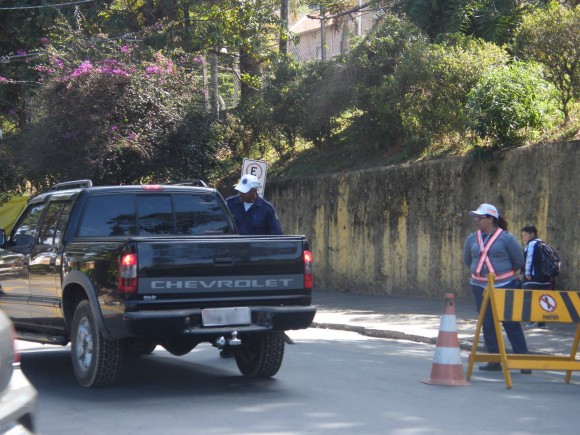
259,168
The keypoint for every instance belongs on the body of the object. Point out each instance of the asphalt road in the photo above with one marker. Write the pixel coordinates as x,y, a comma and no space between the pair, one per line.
331,382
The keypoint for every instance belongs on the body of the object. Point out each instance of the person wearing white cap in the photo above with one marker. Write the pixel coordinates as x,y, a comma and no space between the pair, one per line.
492,249
253,216
252,213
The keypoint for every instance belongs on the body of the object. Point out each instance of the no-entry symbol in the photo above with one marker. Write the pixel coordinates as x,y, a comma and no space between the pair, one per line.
548,303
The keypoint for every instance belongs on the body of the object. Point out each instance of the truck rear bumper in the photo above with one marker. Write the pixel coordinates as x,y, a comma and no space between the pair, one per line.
189,322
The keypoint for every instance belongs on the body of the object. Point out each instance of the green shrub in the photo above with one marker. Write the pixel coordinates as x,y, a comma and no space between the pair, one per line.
432,84
511,103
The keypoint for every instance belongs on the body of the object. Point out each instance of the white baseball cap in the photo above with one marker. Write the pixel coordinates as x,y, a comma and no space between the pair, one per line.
485,209
247,183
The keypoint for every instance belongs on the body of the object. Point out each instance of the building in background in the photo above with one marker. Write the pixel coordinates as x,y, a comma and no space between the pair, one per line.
313,35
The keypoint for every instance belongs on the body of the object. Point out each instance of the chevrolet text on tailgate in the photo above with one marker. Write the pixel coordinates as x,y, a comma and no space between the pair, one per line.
118,270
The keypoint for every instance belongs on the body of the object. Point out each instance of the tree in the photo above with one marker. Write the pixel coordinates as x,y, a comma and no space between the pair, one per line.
551,37
433,81
27,27
117,114
327,89
373,61
512,102
11,178
284,16
284,102
490,20
227,28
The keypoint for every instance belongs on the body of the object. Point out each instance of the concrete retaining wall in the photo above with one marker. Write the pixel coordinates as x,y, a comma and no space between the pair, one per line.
399,230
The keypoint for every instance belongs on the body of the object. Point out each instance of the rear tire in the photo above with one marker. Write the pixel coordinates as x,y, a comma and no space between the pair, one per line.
97,361
261,357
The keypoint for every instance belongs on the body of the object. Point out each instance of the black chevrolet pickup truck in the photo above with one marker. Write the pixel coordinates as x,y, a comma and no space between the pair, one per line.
118,270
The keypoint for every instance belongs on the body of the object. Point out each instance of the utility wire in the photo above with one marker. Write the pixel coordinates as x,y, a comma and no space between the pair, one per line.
17,8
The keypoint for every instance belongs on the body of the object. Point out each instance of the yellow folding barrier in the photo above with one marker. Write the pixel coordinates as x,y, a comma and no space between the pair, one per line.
515,305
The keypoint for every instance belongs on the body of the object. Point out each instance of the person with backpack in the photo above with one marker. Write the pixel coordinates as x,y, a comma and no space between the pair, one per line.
540,267
492,249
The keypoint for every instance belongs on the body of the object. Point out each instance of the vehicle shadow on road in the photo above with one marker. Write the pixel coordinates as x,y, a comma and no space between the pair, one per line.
160,374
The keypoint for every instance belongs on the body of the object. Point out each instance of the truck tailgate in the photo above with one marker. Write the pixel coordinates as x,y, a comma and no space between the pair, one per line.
224,271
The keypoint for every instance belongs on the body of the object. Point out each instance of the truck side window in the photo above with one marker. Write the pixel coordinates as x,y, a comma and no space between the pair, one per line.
155,214
47,229
200,214
109,215
61,224
25,232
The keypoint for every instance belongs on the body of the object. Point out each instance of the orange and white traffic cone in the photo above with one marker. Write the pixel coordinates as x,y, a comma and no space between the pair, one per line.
447,368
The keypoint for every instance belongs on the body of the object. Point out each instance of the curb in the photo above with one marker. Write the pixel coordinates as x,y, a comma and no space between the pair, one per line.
385,333
464,344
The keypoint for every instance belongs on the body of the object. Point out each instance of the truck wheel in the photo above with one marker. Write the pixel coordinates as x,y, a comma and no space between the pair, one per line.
261,357
96,361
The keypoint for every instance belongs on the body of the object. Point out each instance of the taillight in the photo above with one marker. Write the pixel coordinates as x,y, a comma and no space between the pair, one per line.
128,273
308,270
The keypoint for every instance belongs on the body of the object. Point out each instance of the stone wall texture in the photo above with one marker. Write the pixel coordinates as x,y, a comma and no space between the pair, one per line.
399,230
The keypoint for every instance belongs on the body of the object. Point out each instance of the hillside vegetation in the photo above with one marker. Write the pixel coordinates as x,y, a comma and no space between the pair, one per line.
79,101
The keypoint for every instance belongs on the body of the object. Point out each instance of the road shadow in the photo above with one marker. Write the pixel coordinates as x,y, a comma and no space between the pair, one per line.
160,374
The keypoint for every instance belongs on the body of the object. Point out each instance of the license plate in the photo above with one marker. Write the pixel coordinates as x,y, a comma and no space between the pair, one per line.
226,316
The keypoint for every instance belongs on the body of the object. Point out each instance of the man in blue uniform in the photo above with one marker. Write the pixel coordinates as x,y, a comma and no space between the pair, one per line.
252,213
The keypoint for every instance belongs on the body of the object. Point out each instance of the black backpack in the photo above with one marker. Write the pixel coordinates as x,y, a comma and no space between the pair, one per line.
548,259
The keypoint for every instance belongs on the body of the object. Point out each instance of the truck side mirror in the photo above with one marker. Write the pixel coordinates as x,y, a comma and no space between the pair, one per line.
23,241
2,237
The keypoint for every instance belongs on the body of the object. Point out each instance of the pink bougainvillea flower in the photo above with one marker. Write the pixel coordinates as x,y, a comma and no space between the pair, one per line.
153,69
113,67
84,68
44,69
57,62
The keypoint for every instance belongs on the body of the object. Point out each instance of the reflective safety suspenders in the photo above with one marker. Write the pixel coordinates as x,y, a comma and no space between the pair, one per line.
484,259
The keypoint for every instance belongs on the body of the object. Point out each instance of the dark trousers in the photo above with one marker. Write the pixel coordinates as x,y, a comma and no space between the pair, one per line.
513,330
537,286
